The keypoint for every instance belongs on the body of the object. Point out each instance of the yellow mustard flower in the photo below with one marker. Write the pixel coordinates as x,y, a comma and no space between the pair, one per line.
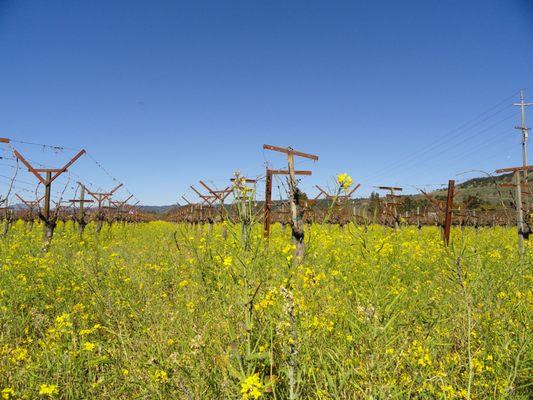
344,180
88,346
251,388
7,393
48,390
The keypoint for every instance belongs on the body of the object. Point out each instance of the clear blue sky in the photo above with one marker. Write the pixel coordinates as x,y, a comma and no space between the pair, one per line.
163,93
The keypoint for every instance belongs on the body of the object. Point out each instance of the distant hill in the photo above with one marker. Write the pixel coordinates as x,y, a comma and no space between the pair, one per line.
482,187
157,209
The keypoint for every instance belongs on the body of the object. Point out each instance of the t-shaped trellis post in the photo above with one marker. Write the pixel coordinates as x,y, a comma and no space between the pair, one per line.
220,195
268,194
328,196
392,195
81,208
31,205
100,198
191,212
51,175
209,200
337,199
120,206
297,222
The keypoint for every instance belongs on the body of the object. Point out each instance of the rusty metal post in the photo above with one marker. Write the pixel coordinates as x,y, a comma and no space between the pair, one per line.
268,201
449,207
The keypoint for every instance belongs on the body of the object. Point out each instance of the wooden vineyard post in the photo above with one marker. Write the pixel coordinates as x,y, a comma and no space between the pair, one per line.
268,194
189,215
449,207
81,215
297,223
219,195
209,200
268,202
47,191
31,206
120,206
82,223
295,198
522,234
337,199
392,204
100,198
50,176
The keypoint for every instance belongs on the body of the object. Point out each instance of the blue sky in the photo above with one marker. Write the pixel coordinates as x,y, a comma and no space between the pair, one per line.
164,93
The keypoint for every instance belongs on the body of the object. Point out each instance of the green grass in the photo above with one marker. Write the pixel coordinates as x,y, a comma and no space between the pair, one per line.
369,314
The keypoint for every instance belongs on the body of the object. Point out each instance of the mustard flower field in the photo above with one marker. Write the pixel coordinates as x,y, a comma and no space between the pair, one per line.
173,311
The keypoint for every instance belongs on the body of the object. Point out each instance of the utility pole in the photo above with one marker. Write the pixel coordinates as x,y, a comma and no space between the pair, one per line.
51,174
524,129
295,196
522,232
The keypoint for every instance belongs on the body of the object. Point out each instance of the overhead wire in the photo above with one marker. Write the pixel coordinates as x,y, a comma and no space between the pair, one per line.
442,149
456,132
56,149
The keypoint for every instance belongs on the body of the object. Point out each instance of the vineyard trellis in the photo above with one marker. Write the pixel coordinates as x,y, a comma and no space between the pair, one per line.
216,205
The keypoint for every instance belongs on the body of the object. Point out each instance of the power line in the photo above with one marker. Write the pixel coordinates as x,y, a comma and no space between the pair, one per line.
416,156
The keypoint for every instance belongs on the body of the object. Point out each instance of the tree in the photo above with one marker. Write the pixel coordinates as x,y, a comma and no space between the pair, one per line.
473,201
374,202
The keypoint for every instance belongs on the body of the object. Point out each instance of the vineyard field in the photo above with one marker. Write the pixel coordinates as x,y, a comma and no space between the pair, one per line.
160,310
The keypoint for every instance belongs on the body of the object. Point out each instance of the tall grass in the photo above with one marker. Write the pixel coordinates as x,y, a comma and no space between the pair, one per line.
160,310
